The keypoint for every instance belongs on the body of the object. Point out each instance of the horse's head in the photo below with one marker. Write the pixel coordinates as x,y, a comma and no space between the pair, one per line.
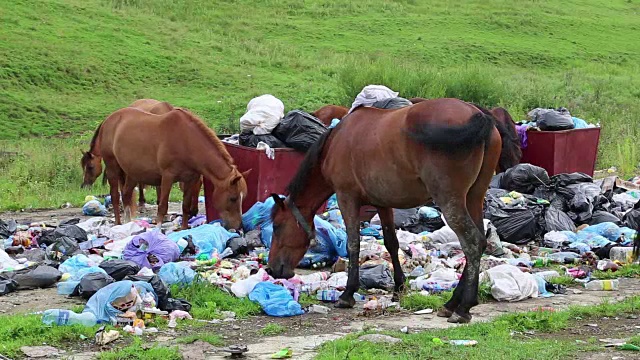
92,168
228,197
292,234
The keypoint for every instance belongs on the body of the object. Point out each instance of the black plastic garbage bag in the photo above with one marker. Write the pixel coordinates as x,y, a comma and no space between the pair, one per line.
376,277
177,304
36,255
91,283
299,130
41,276
581,209
8,286
524,178
251,140
552,119
7,228
558,220
564,180
517,226
62,249
496,181
119,269
632,218
600,216
392,103
64,230
159,287
238,245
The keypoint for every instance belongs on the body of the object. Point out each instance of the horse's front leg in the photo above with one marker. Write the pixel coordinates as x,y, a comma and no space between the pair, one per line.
350,209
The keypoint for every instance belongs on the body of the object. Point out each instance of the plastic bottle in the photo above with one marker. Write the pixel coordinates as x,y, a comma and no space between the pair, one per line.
333,296
600,285
541,262
66,317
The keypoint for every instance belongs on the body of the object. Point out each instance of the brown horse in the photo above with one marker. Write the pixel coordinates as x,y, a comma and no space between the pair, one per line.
160,150
511,151
330,112
92,160
443,150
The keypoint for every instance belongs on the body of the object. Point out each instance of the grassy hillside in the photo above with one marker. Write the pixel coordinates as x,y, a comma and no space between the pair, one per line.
66,64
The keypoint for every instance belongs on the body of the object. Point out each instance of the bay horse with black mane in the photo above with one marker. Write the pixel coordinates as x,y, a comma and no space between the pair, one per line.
441,150
159,150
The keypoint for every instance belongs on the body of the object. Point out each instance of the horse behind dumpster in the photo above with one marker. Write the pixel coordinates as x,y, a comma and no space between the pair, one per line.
443,150
159,150
329,112
511,151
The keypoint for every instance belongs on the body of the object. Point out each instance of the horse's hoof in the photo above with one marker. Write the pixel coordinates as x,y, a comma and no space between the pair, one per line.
395,297
444,312
457,319
342,304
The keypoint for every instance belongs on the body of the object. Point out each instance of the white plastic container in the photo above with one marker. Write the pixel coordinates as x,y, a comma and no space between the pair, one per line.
622,254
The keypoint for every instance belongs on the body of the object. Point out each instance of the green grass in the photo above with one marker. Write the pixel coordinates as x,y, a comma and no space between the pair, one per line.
28,330
137,351
66,64
272,329
495,338
565,280
626,271
212,339
417,301
208,301
306,300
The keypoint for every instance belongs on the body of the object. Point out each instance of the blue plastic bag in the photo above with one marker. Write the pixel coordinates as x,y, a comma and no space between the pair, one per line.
332,203
427,212
337,237
334,123
207,238
100,303
79,266
592,239
579,123
266,232
94,208
175,273
581,247
275,300
570,235
258,215
334,217
629,235
608,230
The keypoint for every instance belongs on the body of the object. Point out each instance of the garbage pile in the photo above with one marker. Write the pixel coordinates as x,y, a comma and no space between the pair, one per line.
265,125
125,272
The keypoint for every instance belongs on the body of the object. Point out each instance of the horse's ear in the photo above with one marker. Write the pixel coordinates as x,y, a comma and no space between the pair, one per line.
235,180
278,200
246,173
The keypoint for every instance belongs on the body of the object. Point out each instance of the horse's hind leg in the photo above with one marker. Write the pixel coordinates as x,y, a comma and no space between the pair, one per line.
350,209
127,199
141,200
391,243
163,200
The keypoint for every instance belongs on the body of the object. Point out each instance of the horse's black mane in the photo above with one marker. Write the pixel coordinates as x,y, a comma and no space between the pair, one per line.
299,181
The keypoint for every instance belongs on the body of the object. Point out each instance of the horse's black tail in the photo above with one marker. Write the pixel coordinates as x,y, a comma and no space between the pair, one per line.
511,150
456,139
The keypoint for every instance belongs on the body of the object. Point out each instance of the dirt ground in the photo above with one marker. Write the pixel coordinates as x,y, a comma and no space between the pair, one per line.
304,333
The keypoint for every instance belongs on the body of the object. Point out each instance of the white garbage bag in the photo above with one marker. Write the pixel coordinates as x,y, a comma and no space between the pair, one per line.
508,283
263,115
372,93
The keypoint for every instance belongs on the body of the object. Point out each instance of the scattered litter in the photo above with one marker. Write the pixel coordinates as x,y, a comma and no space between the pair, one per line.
424,312
463,342
103,338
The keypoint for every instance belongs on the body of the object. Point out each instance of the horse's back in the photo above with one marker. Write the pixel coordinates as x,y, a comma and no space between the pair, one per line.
145,104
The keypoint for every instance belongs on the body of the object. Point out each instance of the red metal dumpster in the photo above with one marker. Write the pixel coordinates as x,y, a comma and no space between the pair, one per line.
563,151
266,177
